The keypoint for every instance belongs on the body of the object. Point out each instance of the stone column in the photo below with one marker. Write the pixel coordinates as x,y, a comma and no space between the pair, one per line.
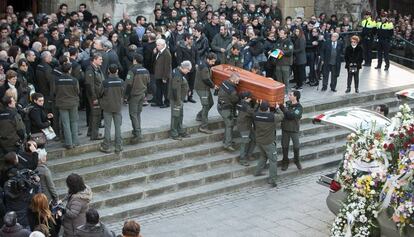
297,8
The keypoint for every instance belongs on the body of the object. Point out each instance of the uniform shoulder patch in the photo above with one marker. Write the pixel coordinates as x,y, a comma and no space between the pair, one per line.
128,77
297,111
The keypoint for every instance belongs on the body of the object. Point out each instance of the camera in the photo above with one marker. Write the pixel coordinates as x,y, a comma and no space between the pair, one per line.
55,207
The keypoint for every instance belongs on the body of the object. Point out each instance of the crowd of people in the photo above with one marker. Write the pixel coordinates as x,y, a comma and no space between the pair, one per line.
54,65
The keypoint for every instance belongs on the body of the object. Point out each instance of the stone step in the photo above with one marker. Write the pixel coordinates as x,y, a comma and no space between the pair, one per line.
187,174
120,166
177,198
366,100
93,159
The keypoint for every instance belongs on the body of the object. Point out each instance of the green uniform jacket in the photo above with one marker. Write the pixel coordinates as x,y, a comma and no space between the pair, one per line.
203,77
235,60
245,117
112,94
66,92
227,95
178,87
292,115
136,81
286,46
93,82
265,124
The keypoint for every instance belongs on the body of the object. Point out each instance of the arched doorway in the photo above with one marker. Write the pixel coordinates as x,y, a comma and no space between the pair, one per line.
21,5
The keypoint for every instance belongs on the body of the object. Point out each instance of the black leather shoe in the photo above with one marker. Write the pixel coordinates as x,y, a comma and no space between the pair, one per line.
378,67
155,105
192,100
298,165
356,91
164,106
348,90
333,90
285,166
386,68
366,65
323,89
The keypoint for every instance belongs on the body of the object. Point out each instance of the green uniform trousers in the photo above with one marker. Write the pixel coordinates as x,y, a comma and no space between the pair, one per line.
69,118
228,118
108,117
135,108
247,144
282,75
206,102
267,152
286,137
176,119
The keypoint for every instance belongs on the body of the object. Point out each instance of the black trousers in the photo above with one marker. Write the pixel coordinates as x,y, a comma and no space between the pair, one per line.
162,92
191,79
299,74
332,69
367,50
310,59
354,75
383,51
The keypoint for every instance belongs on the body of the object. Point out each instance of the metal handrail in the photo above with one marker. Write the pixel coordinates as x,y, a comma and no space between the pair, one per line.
400,37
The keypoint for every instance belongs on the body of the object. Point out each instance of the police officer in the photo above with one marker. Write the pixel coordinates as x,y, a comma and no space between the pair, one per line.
12,130
385,31
227,100
283,64
203,85
290,128
234,57
93,83
367,34
136,85
67,101
111,103
177,93
265,131
245,127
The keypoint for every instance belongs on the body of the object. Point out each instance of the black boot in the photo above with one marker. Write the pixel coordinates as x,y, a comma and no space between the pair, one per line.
190,99
296,158
285,160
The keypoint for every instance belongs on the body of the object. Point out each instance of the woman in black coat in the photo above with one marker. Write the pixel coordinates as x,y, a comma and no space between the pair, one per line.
353,61
39,118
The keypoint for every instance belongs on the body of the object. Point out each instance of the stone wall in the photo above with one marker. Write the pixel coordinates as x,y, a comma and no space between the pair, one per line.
352,8
304,8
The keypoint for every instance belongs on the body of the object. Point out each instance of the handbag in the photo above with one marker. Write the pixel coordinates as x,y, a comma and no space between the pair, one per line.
39,138
49,133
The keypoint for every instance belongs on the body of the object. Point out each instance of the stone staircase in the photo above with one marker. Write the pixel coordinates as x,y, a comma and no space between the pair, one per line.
161,172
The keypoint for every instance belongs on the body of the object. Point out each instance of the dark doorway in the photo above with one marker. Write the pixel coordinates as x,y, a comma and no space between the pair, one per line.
383,4
23,5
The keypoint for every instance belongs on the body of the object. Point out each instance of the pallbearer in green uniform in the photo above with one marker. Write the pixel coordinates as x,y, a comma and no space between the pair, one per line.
290,128
136,85
265,131
227,100
177,93
245,126
203,85
111,103
282,71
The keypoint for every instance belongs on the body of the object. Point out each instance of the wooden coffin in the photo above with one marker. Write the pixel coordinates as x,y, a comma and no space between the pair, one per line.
262,88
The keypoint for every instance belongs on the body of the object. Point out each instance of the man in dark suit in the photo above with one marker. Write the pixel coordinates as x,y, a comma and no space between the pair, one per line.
331,58
162,73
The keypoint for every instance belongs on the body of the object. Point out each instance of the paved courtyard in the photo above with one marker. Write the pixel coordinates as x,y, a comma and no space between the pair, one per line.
295,208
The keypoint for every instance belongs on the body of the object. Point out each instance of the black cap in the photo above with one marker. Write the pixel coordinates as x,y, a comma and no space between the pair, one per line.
264,106
245,94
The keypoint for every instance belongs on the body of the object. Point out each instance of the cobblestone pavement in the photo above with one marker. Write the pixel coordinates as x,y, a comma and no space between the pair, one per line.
295,208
